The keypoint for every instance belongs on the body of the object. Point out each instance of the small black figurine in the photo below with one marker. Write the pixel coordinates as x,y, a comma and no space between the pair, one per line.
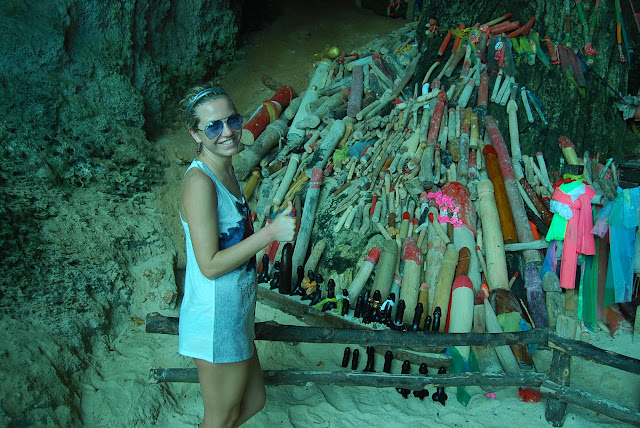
439,395
275,282
331,294
375,315
370,355
264,275
345,302
354,361
298,290
422,393
388,358
406,368
316,296
427,323
366,308
311,278
345,357
357,312
399,324
387,308
415,325
437,313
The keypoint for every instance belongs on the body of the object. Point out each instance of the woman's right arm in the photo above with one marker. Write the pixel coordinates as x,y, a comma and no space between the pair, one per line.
200,202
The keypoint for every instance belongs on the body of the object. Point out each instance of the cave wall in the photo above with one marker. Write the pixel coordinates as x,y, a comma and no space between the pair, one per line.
593,123
84,251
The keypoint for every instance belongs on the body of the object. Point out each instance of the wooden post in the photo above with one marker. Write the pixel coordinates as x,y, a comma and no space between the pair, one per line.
496,272
560,371
356,286
502,202
249,158
385,269
306,223
516,203
412,258
445,281
356,378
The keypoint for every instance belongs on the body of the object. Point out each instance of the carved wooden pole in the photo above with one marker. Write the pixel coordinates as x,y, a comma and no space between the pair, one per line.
249,158
496,272
502,202
356,286
306,223
445,280
412,258
515,200
426,163
464,236
385,269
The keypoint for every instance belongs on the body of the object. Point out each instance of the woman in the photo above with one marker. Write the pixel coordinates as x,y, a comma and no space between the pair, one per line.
218,307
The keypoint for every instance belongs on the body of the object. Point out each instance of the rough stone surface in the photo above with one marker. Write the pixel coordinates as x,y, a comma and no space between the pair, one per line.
85,252
592,123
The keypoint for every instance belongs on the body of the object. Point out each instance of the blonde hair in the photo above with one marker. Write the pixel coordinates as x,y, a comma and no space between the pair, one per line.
200,95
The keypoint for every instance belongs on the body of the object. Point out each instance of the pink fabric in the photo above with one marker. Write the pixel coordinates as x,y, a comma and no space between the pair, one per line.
578,237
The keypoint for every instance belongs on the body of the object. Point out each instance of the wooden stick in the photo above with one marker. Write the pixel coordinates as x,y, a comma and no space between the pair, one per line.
251,184
350,333
445,281
249,158
578,348
306,222
588,401
356,286
516,203
505,354
385,269
314,257
502,201
496,270
355,378
411,278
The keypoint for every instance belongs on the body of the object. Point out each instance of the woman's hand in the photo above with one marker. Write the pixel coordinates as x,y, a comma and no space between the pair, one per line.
284,227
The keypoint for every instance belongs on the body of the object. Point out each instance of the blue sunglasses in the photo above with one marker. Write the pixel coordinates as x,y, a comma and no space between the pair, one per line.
214,128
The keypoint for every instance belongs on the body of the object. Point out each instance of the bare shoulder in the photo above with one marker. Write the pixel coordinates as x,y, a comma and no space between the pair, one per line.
198,191
196,180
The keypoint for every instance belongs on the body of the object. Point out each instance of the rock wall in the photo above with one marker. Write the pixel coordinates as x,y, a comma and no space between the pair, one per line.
83,248
592,122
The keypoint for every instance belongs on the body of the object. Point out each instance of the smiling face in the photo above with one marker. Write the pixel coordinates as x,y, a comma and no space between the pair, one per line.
226,144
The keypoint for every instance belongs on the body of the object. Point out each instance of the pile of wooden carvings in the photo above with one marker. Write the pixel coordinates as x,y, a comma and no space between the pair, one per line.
418,186
438,217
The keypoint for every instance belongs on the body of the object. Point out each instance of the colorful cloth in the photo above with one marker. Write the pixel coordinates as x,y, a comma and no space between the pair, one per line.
622,215
572,202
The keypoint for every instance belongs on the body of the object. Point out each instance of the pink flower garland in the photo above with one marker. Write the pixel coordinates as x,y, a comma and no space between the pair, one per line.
446,204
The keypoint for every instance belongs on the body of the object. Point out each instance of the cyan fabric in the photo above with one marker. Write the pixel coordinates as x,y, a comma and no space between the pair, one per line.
623,219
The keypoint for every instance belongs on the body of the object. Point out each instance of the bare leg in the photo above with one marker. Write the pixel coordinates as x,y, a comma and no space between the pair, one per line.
231,392
254,394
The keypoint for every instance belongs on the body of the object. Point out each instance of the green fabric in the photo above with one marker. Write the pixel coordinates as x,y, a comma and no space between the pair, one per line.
340,154
609,291
510,322
572,185
459,365
589,289
557,229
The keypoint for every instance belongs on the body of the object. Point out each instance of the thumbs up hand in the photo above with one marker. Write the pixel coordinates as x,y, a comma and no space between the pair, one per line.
284,226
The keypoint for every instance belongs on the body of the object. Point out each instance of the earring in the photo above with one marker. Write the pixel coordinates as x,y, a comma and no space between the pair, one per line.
199,149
